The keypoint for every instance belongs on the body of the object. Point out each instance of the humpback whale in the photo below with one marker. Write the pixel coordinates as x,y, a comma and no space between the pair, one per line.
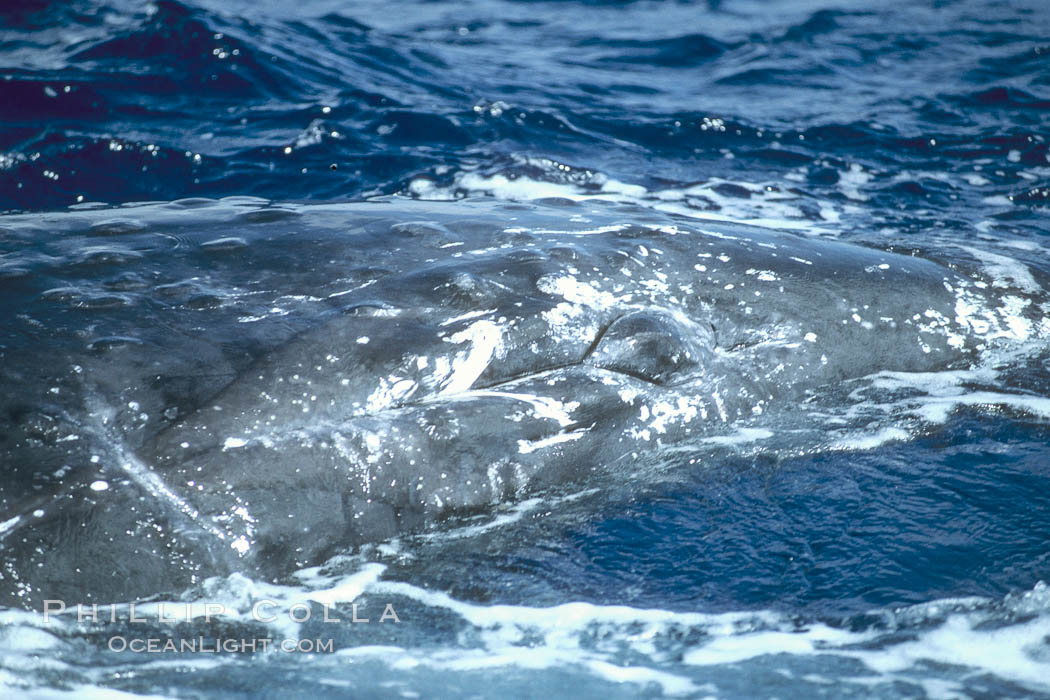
422,360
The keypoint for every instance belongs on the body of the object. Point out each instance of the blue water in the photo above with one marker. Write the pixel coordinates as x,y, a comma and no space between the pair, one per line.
117,102
922,125
959,513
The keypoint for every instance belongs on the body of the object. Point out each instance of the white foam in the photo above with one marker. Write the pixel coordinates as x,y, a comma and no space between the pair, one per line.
852,180
582,232
1005,272
507,515
79,691
622,644
740,437
958,641
936,409
729,649
872,440
767,204
345,589
933,397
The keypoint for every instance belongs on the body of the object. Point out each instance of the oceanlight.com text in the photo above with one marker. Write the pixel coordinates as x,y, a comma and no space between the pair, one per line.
203,645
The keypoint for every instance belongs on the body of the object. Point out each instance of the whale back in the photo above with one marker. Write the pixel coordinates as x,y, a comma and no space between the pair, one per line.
320,377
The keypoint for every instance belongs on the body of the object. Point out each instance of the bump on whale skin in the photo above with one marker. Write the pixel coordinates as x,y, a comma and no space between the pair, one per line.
504,349
654,346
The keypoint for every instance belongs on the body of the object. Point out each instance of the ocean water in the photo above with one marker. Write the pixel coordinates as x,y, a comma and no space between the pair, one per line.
888,537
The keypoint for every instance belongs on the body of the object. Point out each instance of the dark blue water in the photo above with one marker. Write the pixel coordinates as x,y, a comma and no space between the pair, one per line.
961,512
925,124
315,100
